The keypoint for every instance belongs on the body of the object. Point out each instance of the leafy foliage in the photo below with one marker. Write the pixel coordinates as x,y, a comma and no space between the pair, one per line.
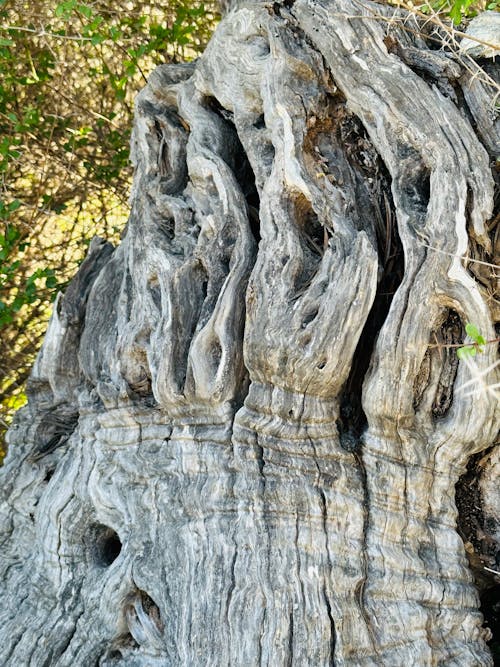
477,345
69,72
458,10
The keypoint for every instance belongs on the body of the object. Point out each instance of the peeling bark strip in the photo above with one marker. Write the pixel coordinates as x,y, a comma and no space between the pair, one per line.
177,491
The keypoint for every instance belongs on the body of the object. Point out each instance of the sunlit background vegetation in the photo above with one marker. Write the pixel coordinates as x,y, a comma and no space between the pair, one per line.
69,72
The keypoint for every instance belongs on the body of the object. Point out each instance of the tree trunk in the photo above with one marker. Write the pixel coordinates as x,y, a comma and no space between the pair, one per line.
247,421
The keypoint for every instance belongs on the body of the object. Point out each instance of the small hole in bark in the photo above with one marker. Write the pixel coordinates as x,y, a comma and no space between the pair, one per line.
310,317
121,646
321,364
259,46
143,618
107,545
260,123
49,474
423,187
312,239
115,655
204,289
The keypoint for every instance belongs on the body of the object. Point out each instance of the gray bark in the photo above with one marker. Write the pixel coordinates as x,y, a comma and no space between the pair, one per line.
244,429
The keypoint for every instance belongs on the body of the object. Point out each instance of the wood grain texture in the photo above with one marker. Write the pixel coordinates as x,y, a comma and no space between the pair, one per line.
244,428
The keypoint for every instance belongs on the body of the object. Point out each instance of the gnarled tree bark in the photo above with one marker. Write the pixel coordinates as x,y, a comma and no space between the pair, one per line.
244,429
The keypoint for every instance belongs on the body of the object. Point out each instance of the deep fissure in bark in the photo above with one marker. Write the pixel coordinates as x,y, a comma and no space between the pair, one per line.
490,607
478,528
241,166
352,421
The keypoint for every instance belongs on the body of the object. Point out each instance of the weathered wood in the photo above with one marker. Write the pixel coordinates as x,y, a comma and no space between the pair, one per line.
244,428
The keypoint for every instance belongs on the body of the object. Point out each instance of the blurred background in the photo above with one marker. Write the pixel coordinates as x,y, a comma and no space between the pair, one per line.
69,73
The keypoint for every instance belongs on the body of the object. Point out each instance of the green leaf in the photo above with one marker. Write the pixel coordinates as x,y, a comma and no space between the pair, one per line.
85,10
472,331
97,39
12,234
455,13
466,351
64,9
115,33
14,205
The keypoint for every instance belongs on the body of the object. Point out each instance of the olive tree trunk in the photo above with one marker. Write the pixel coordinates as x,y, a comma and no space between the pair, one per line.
247,421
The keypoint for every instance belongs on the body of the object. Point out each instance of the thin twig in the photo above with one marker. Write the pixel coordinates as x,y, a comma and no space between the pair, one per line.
473,344
41,32
462,257
488,569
